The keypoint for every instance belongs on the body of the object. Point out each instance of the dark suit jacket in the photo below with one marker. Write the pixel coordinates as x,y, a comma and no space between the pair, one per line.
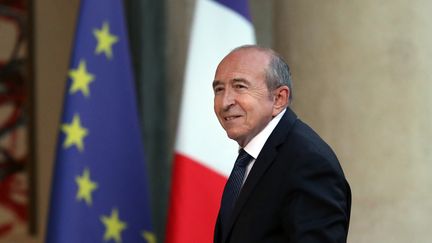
296,192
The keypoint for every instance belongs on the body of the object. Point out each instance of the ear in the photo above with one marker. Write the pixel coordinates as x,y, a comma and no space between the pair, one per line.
281,99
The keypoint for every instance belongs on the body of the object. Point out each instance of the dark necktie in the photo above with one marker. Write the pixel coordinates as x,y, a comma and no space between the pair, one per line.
233,187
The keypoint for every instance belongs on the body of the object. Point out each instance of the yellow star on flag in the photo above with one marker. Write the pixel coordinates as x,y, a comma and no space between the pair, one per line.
149,237
81,79
113,226
85,187
75,133
105,40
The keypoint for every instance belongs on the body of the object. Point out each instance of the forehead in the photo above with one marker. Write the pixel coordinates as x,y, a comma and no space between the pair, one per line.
243,63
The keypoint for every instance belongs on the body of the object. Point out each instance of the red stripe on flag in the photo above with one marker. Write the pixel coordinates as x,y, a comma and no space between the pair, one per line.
194,203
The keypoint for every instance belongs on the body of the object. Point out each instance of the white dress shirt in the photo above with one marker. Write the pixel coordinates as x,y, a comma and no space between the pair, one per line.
254,147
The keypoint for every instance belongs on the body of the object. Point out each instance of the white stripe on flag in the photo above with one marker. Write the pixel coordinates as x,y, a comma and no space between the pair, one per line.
215,31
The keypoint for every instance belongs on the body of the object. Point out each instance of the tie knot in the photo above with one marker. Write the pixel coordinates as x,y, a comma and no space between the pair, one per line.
243,158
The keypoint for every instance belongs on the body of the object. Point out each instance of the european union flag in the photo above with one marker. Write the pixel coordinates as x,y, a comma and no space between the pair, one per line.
99,189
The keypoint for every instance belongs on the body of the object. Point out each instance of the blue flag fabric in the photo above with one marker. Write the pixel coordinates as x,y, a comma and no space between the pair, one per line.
99,191
241,7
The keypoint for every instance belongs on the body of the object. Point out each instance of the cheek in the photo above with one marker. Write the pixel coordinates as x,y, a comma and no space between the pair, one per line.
259,113
217,102
215,106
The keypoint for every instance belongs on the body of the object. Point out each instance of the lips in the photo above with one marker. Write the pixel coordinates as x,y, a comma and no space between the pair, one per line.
230,118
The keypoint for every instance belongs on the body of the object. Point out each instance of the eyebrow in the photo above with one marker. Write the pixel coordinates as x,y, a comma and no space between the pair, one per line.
241,80
235,80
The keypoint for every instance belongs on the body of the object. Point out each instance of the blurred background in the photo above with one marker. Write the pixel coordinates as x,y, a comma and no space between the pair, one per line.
362,75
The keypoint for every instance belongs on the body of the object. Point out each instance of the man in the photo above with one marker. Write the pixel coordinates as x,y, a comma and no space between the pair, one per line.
291,187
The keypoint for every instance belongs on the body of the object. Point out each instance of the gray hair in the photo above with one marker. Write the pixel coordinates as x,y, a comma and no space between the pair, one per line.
277,73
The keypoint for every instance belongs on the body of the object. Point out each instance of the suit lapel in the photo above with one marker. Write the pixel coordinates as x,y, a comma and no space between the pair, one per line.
262,163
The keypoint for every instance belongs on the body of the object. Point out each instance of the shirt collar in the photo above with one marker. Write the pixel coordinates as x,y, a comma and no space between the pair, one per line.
255,146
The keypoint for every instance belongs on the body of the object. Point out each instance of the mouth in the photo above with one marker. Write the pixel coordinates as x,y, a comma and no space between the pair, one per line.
230,118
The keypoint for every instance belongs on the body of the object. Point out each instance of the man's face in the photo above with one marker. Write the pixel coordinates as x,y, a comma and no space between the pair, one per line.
242,101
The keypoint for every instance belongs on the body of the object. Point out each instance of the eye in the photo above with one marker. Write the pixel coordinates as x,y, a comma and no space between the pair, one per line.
218,89
240,86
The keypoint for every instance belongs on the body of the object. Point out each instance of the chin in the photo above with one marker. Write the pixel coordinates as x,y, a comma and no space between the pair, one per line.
236,137
232,135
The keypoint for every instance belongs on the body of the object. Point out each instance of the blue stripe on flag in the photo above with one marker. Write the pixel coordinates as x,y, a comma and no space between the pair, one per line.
239,6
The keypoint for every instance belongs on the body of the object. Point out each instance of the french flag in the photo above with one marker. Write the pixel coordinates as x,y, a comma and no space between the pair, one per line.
204,155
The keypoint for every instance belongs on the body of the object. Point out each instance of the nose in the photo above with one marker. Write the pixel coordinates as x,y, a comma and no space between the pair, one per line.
228,99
